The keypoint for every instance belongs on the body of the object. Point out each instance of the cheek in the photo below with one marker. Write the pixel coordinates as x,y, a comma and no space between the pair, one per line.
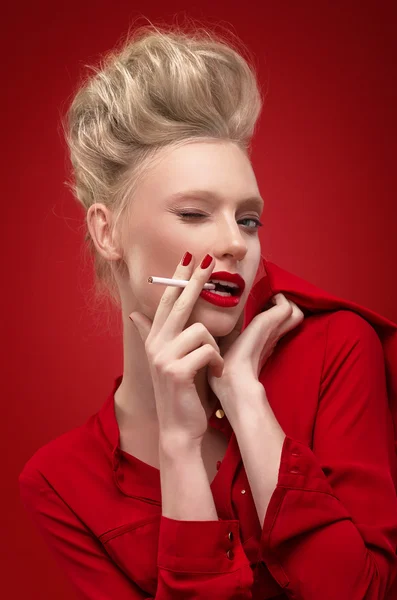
151,260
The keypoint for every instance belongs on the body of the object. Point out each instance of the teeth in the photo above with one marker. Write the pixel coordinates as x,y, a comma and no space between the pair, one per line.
221,293
223,282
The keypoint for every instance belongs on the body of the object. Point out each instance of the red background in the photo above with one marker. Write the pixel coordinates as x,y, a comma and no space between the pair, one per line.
324,156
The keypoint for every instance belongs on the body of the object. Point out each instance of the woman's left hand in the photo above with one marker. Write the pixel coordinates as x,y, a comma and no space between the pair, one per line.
245,353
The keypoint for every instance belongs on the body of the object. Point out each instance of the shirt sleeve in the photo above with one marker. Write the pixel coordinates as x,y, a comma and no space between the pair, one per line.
330,530
196,559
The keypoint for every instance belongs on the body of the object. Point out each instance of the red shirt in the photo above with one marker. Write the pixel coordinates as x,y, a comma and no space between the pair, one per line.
330,530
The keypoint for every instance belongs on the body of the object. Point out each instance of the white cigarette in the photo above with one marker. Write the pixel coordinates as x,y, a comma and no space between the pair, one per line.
178,282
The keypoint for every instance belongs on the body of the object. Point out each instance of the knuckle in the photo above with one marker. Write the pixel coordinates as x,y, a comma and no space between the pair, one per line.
210,338
157,363
287,311
289,307
167,368
300,316
211,350
180,303
202,330
166,299
298,313
157,359
199,326
149,348
174,372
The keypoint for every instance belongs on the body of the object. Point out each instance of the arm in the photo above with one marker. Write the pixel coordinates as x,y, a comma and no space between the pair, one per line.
259,434
330,524
192,556
199,556
185,489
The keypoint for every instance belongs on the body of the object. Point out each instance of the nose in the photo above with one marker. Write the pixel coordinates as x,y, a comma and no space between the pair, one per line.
230,240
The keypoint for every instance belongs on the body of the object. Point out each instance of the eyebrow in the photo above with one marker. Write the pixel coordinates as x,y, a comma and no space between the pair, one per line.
207,195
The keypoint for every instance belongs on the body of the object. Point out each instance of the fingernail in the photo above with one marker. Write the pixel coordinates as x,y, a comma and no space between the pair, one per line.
207,260
187,257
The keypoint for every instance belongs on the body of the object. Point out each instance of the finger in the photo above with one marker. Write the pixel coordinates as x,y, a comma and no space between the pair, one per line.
296,317
187,341
283,305
292,314
170,295
277,306
182,308
280,300
193,362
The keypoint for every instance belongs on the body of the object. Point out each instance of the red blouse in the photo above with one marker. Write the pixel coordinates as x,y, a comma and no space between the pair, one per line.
330,530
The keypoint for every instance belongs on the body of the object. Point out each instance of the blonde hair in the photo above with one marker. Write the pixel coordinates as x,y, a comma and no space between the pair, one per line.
161,87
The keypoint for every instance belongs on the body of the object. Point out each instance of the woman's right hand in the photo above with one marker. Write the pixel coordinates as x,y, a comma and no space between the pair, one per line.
175,355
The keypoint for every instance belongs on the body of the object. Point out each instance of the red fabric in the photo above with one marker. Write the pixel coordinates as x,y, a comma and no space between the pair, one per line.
330,530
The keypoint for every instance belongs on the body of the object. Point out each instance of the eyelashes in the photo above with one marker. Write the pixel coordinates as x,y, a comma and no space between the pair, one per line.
188,216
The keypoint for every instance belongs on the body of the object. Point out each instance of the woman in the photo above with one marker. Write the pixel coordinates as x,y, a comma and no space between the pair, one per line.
247,450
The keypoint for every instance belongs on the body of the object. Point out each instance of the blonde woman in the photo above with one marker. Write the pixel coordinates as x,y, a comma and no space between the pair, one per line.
247,450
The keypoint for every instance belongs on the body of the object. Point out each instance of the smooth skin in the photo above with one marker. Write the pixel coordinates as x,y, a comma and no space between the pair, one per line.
155,236
176,355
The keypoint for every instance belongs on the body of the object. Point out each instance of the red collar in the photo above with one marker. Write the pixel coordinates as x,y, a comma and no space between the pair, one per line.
270,281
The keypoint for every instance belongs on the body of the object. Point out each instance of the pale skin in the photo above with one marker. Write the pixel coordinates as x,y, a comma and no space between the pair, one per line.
156,240
227,232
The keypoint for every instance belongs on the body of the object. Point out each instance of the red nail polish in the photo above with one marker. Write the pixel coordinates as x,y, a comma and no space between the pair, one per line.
187,257
207,260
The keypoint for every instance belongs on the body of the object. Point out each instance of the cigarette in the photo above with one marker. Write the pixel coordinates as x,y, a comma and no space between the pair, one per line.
177,282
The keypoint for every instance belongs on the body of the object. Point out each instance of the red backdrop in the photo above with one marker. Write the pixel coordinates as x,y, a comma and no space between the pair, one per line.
324,157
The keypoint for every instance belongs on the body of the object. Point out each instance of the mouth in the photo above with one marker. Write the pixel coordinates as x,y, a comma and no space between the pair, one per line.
231,283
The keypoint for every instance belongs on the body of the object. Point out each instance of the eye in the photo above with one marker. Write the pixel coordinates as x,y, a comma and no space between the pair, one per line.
198,215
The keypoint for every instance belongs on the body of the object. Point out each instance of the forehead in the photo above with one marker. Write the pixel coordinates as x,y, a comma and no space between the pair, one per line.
210,172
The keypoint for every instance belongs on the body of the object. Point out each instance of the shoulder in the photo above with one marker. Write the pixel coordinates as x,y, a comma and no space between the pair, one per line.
324,332
340,327
61,454
346,327
336,341
353,355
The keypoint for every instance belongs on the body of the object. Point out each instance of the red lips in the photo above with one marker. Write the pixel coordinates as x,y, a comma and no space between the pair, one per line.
232,277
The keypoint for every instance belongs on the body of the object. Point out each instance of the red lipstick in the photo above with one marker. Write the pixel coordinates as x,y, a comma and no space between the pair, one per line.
225,301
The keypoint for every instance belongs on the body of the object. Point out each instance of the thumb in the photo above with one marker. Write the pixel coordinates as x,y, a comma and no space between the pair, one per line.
142,323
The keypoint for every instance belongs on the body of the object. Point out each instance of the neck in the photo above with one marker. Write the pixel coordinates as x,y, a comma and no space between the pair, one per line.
134,399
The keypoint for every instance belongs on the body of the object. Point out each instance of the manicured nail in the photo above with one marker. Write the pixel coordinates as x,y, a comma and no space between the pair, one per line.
207,260
187,257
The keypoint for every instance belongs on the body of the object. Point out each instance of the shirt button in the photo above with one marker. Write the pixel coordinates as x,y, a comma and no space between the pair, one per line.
243,491
294,470
295,454
219,413
230,554
230,535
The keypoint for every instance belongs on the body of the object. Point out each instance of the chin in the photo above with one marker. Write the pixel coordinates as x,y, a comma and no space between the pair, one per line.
221,326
